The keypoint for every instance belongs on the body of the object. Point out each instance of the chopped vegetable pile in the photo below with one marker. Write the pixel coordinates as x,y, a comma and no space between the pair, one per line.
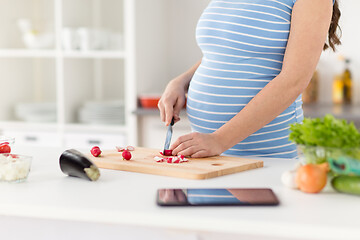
173,159
325,132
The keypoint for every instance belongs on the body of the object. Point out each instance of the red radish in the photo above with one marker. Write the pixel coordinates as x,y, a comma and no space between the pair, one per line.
95,151
126,155
5,148
167,152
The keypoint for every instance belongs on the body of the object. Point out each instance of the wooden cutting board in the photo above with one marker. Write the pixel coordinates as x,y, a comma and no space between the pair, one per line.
142,161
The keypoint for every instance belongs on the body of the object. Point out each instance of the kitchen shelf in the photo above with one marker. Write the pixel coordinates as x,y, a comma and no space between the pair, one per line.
152,112
95,54
27,53
72,77
90,128
27,126
347,112
350,112
146,111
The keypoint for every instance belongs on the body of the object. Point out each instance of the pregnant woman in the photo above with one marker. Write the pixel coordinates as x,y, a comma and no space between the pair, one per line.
258,57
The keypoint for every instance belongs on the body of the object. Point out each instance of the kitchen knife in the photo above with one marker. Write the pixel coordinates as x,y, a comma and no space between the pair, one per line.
168,136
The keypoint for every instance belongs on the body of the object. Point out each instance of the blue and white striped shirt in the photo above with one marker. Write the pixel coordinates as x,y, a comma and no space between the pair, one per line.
243,44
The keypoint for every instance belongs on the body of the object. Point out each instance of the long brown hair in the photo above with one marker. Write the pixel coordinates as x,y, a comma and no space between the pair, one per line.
334,30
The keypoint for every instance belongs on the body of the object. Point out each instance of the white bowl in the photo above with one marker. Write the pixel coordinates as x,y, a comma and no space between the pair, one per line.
14,167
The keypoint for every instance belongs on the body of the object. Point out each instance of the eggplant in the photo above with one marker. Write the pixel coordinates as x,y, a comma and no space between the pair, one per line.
73,163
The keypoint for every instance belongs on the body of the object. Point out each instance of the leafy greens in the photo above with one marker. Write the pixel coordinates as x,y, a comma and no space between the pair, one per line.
326,132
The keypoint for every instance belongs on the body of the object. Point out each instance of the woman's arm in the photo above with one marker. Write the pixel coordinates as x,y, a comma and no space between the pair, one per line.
309,27
173,98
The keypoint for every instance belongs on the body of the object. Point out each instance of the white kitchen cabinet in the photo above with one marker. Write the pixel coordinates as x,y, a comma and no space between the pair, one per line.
87,140
68,78
39,138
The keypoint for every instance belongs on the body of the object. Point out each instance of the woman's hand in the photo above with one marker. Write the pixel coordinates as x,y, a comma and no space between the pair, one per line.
198,145
172,100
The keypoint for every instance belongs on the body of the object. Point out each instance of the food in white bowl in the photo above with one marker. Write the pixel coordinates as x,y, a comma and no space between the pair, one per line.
14,167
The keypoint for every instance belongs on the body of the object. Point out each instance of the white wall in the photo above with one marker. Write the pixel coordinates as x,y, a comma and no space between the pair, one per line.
166,43
183,50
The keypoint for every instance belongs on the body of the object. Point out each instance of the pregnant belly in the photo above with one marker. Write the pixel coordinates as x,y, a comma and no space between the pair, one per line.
214,98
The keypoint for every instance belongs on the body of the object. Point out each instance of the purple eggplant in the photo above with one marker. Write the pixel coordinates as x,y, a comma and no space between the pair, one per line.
75,164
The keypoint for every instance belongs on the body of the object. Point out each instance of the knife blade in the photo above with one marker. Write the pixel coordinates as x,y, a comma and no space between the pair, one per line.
169,135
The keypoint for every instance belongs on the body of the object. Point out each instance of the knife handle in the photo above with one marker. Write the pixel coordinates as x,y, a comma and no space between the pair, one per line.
172,121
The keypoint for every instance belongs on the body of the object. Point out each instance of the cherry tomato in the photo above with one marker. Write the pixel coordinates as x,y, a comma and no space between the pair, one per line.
5,148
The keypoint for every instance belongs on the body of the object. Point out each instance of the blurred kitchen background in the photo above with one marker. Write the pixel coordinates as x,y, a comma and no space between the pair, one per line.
79,73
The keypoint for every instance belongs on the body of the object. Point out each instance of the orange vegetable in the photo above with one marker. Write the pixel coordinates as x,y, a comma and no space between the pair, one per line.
311,178
325,166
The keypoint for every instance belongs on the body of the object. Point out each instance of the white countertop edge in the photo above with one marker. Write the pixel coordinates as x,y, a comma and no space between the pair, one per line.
199,224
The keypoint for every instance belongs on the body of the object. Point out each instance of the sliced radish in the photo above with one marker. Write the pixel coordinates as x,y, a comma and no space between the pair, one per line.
130,148
158,159
174,159
120,149
127,148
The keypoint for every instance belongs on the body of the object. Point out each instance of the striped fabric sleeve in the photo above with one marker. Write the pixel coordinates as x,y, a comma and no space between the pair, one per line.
294,1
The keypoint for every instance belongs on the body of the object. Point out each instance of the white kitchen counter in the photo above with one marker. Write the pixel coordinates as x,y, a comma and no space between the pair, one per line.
122,200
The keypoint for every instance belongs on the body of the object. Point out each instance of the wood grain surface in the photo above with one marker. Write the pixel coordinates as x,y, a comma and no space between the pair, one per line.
197,168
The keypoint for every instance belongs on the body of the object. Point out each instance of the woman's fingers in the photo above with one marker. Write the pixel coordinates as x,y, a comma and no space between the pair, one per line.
172,101
179,141
182,146
169,113
189,151
197,145
162,110
166,107
176,119
200,154
177,108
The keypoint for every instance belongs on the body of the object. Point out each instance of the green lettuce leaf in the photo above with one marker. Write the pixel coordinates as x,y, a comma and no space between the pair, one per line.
326,132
